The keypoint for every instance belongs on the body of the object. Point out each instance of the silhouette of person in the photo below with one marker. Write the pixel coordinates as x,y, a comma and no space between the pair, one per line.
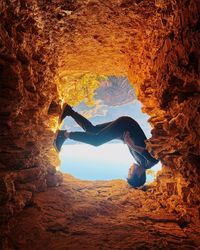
124,128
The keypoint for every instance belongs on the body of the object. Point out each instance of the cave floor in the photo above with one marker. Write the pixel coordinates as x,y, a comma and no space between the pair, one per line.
97,215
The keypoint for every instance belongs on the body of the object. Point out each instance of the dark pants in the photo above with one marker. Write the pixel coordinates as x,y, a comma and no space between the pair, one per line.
102,133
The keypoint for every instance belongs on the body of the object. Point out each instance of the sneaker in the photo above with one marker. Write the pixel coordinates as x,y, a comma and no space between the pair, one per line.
67,111
60,138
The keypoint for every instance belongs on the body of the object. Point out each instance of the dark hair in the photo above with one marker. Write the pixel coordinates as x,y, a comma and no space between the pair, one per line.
136,181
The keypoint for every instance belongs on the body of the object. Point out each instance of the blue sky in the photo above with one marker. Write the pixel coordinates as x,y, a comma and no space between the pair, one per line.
111,160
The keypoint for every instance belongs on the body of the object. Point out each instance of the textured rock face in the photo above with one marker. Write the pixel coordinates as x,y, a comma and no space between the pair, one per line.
170,94
156,43
28,95
97,215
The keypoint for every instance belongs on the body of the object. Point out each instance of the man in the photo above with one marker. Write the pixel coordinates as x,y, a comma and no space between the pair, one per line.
124,128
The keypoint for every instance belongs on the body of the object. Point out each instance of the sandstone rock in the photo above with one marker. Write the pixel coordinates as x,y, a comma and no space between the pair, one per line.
98,214
155,43
54,180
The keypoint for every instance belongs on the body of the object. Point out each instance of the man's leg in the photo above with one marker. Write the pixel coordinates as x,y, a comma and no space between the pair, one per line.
82,121
86,124
112,131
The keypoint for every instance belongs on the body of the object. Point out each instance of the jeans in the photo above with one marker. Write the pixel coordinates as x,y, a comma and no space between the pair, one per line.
99,134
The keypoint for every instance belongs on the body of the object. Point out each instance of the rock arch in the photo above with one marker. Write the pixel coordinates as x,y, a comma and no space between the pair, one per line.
154,43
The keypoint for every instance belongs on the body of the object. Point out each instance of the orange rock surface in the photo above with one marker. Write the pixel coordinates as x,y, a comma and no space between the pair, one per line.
42,43
98,215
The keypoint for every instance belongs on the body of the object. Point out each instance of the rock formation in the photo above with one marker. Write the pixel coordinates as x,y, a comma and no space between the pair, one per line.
97,215
154,43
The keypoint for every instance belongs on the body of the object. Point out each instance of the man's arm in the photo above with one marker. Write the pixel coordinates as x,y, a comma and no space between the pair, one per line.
131,144
140,150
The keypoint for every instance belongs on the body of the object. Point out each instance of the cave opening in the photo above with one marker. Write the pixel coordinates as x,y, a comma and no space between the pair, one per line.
114,97
44,48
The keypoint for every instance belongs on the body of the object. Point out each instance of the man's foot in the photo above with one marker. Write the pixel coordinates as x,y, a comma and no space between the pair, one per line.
60,138
67,111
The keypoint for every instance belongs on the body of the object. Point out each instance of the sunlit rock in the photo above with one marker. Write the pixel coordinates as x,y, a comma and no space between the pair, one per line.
155,44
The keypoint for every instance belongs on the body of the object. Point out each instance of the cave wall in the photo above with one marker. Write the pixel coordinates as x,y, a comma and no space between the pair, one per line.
41,42
155,43
28,99
170,95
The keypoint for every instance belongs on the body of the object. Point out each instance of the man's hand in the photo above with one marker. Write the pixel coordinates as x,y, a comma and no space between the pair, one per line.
127,139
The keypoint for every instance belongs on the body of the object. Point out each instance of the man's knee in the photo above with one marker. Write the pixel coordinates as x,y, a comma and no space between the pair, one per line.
124,120
90,128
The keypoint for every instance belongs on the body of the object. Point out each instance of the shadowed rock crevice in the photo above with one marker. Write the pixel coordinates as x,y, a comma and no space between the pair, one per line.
154,43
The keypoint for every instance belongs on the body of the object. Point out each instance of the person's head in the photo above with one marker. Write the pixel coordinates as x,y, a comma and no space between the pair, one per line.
136,175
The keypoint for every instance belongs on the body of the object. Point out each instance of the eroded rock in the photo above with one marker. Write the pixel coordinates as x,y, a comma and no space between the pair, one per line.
155,43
